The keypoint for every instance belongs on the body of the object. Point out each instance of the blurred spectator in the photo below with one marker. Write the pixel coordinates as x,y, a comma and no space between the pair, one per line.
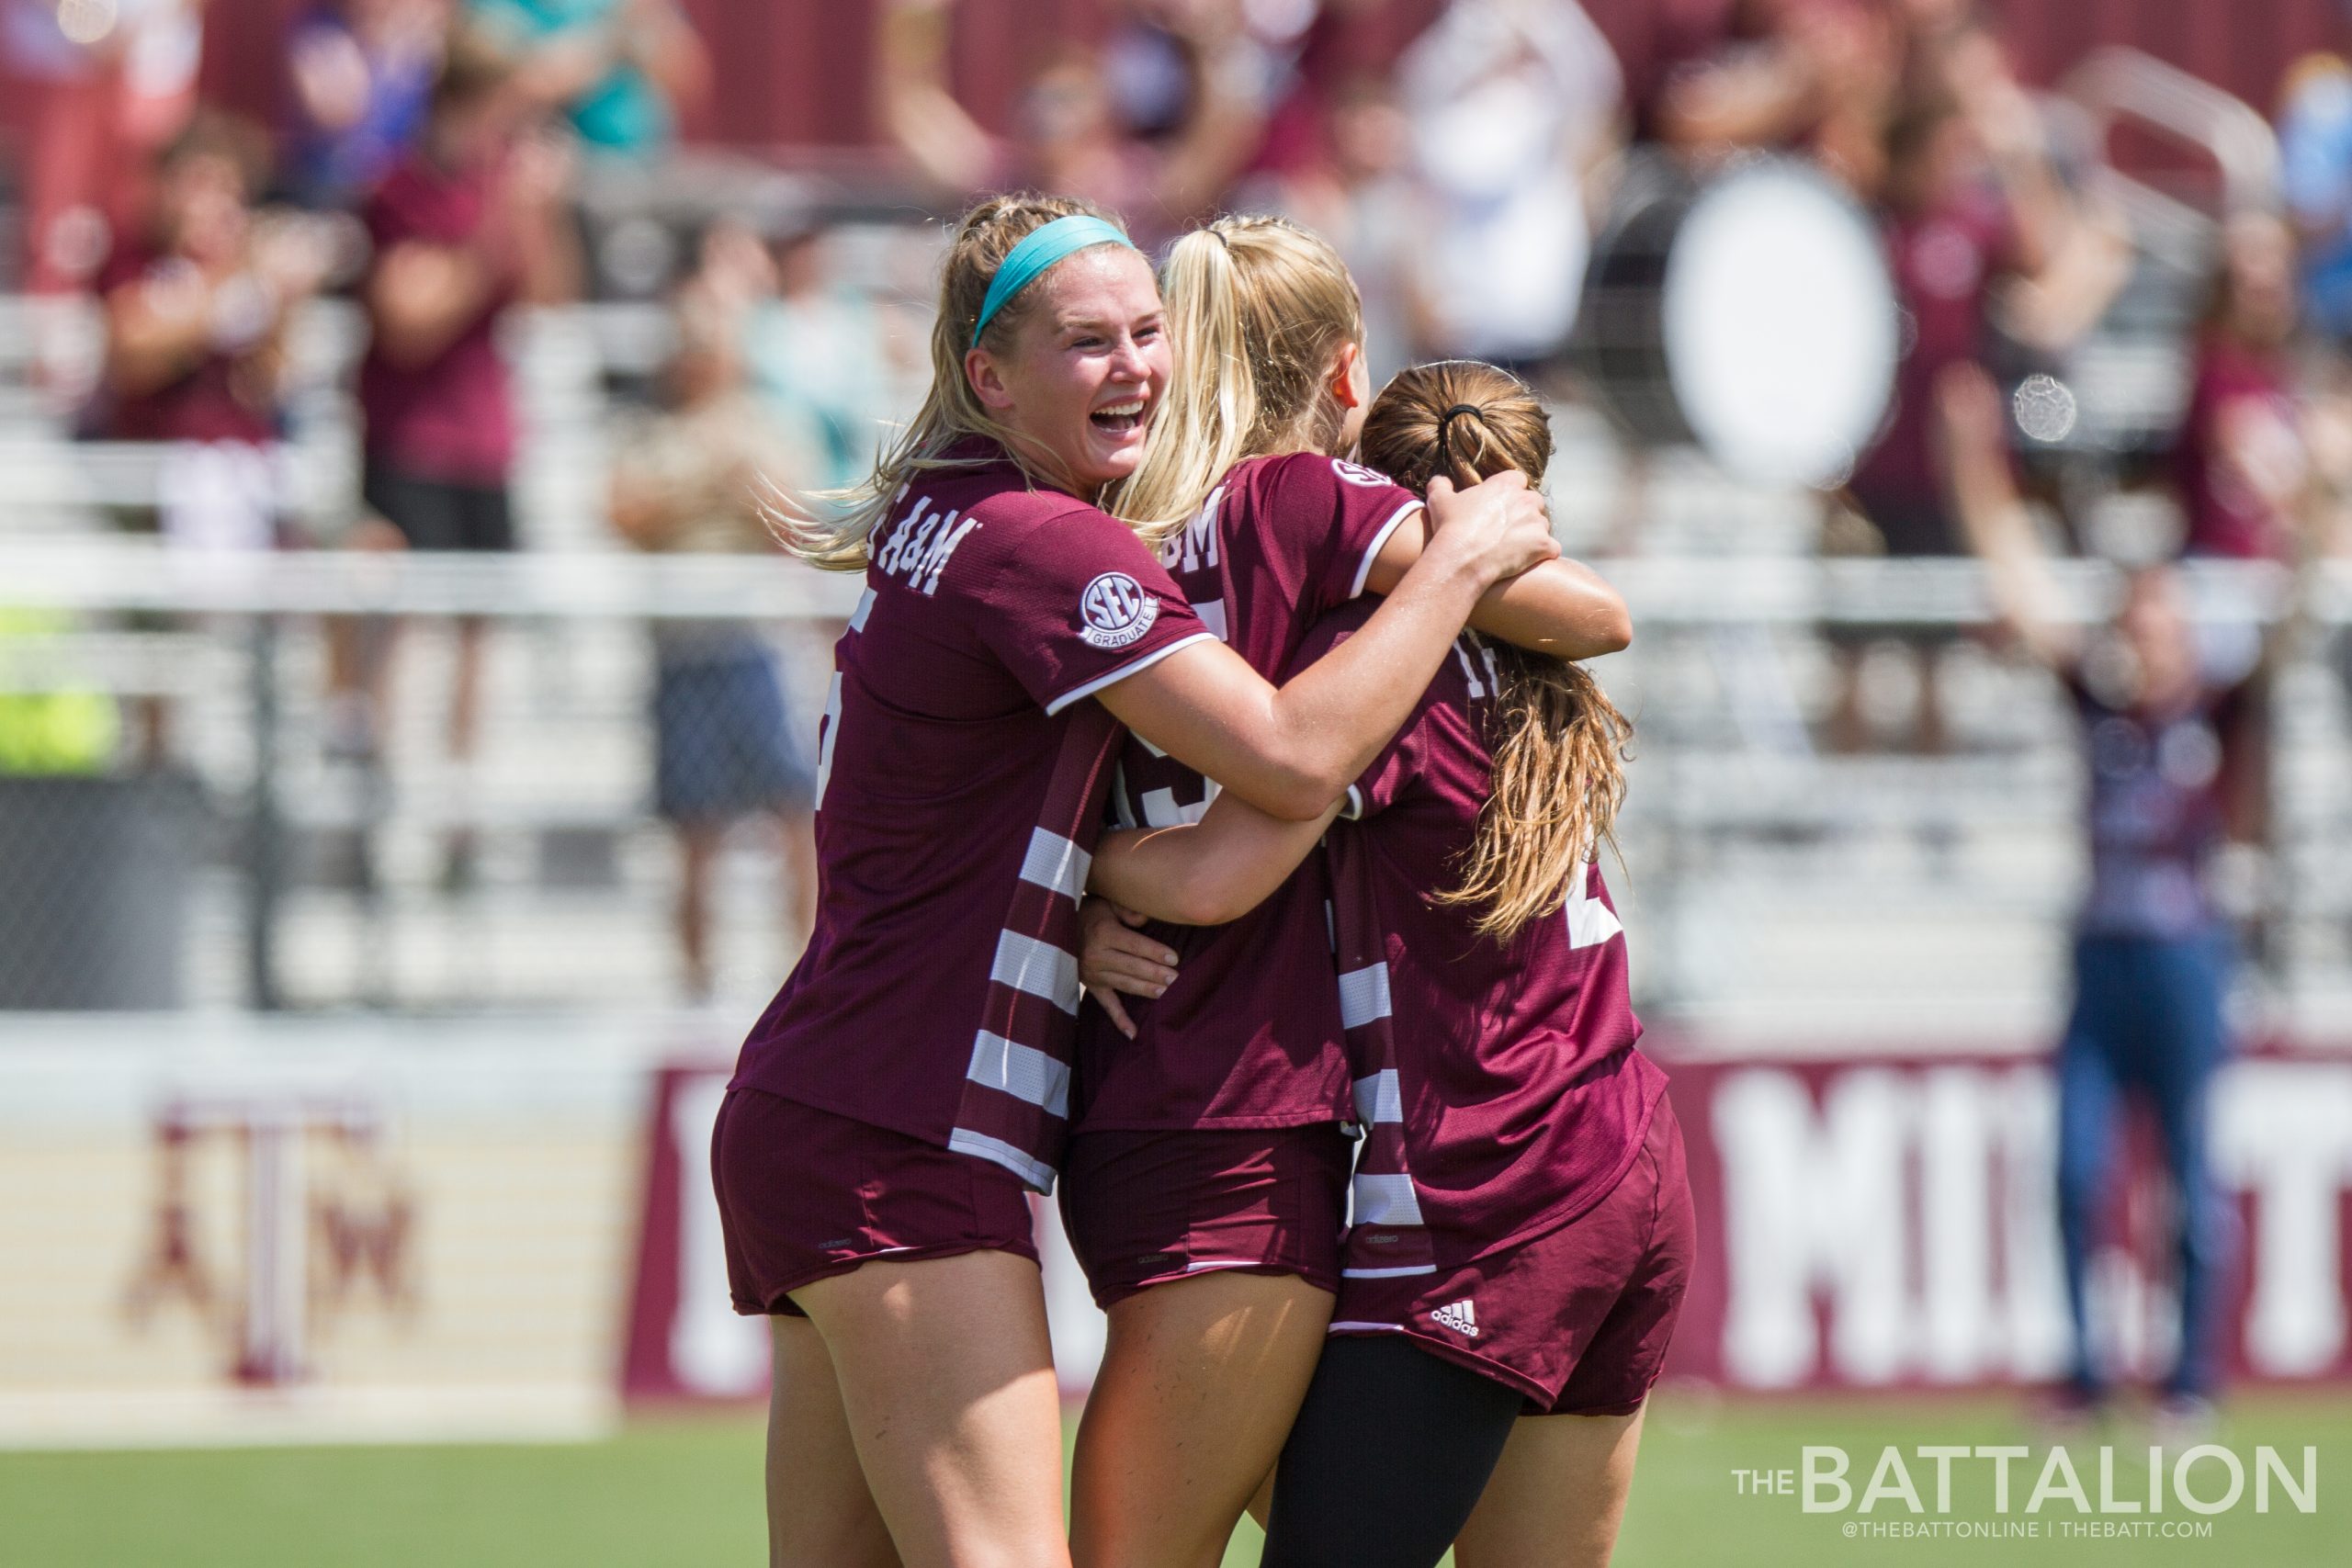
1513,104
1795,75
361,73
2239,461
692,480
2315,148
470,225
1955,227
197,298
2152,957
621,71
816,353
1066,138
111,84
1356,189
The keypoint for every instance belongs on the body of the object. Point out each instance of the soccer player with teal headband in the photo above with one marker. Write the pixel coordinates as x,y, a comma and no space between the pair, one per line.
910,1086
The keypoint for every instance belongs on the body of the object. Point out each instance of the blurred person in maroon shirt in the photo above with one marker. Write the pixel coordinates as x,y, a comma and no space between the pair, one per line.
1957,230
2239,463
2243,468
1067,137
467,227
197,296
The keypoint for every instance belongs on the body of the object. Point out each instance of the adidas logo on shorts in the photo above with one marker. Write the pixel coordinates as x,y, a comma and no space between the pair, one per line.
1461,1316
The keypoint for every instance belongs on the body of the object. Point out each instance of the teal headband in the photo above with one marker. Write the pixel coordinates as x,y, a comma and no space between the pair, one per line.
1039,250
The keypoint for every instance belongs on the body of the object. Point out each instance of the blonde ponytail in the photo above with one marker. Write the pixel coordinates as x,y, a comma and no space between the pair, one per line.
1559,741
829,529
1257,307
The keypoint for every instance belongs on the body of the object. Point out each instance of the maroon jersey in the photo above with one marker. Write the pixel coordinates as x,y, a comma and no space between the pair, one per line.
451,418
1497,1082
226,395
959,791
2228,516
1248,1034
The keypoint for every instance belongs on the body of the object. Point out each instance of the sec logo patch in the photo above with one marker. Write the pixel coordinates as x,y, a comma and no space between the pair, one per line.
1357,474
1114,610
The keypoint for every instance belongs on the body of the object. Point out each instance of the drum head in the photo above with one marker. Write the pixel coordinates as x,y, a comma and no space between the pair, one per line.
1779,325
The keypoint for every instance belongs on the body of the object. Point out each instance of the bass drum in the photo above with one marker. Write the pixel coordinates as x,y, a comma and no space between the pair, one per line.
1752,314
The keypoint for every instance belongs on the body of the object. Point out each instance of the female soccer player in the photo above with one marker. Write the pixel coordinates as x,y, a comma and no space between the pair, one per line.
910,1081
1207,1178
1521,1232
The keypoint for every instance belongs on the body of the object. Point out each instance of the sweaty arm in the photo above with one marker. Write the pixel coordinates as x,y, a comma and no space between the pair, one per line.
1560,607
1293,751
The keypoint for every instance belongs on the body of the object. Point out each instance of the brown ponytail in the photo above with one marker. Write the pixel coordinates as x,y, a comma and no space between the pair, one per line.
1559,742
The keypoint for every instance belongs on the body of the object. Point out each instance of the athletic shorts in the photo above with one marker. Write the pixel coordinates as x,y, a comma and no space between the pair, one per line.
805,1194
724,743
1576,1319
1143,1208
434,514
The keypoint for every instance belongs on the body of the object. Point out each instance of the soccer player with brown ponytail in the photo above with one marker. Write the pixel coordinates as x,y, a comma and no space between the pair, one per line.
1521,1228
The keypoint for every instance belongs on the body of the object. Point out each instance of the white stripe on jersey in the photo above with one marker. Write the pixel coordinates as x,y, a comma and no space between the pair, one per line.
1360,1328
1035,1172
1039,968
1379,541
865,608
1020,1072
1054,863
1387,1273
1590,923
1132,667
1160,810
1212,614
832,732
1385,1200
1380,1098
1363,995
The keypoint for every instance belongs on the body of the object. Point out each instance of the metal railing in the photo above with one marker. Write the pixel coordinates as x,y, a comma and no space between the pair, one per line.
1760,869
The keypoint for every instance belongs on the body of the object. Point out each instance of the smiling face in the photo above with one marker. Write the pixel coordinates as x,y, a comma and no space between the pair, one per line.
1082,366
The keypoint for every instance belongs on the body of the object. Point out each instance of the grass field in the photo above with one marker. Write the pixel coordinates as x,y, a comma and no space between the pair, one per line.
686,1492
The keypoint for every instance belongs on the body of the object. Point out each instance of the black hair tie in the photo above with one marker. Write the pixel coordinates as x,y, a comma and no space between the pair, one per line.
1445,424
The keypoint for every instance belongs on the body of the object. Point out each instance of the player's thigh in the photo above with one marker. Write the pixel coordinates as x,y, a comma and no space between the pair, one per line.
1557,1496
820,1513
947,1383
1200,1381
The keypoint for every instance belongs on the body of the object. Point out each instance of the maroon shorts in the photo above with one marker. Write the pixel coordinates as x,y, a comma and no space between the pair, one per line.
1577,1318
805,1194
1145,1208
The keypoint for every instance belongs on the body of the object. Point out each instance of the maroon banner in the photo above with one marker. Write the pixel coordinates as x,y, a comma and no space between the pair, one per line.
684,1342
1890,1222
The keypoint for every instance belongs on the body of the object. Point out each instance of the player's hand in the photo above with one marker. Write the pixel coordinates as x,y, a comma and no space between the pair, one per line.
1498,528
1113,957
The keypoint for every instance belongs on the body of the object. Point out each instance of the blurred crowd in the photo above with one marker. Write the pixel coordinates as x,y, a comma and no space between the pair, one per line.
428,166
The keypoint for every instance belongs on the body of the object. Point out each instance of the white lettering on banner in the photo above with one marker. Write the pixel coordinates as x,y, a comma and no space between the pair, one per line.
714,1352
1808,1201
1918,1205
2283,1130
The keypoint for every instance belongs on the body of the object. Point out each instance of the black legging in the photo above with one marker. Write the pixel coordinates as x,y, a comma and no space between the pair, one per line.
1388,1456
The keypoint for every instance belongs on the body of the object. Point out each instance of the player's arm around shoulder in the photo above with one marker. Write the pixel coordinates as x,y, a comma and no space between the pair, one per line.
1561,607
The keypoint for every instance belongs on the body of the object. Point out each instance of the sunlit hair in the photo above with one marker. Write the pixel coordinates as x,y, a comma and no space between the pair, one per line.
1559,742
1255,309
830,528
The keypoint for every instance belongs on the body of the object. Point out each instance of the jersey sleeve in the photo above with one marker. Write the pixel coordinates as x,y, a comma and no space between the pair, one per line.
1387,775
1336,515
1079,603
